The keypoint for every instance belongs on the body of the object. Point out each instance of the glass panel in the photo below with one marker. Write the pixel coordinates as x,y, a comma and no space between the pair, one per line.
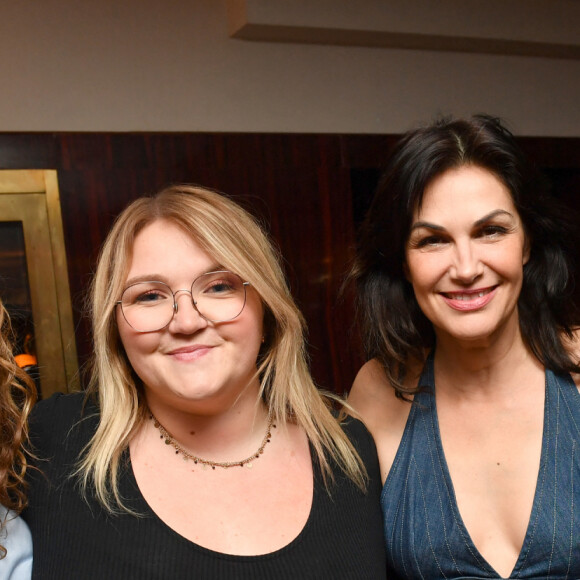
15,293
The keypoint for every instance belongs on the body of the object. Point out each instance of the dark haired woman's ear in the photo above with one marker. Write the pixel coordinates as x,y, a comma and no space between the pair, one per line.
406,272
527,249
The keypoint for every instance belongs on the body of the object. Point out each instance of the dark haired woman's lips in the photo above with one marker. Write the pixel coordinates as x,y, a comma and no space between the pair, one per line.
468,294
468,300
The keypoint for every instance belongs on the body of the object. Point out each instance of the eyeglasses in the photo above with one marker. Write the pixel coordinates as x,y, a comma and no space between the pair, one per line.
217,296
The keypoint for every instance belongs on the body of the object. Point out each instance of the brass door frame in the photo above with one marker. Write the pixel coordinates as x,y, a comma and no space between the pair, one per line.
32,197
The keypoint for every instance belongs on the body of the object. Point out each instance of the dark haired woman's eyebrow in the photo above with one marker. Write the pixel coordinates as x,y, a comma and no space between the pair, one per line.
426,225
479,222
492,215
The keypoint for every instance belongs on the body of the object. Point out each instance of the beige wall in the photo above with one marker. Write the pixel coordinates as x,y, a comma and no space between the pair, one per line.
144,65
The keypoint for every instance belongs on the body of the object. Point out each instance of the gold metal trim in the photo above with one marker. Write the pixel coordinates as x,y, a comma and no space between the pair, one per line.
32,197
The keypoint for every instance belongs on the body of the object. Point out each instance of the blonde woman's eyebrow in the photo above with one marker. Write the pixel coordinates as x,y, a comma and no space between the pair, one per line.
164,279
145,278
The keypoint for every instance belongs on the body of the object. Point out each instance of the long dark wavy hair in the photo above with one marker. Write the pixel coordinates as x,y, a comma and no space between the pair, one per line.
17,396
394,329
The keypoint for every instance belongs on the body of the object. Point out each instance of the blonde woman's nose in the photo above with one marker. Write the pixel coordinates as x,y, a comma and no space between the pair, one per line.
186,318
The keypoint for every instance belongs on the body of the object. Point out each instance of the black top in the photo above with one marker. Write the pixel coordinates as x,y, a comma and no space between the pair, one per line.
74,538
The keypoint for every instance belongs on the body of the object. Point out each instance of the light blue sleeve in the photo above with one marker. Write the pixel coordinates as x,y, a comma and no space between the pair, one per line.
15,537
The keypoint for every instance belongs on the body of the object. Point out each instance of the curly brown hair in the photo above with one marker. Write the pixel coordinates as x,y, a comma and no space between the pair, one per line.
17,396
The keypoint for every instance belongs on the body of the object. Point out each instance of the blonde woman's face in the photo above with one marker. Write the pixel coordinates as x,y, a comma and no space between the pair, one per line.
191,365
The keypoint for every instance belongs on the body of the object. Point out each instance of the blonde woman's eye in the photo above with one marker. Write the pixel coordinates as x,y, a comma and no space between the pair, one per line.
219,288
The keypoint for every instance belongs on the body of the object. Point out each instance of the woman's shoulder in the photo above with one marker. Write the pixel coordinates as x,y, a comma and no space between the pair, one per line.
63,406
358,434
16,539
572,345
374,399
52,420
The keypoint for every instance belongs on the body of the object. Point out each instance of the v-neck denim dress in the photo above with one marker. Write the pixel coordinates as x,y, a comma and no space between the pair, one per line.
425,535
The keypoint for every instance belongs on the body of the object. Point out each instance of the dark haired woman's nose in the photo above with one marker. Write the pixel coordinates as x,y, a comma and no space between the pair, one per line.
466,267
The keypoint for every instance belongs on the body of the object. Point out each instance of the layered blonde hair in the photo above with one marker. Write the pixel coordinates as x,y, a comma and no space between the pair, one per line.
231,236
17,396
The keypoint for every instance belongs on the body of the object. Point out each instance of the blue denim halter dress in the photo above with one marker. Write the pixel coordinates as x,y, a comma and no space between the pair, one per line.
425,535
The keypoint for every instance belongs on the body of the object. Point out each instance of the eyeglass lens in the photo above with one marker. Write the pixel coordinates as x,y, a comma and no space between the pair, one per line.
217,296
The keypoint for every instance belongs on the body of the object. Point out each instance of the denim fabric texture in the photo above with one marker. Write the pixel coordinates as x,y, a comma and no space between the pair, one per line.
425,535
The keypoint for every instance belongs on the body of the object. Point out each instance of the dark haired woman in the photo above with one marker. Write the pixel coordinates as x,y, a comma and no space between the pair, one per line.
17,395
464,276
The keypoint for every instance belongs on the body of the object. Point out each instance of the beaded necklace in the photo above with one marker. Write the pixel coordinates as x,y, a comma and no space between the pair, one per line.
170,440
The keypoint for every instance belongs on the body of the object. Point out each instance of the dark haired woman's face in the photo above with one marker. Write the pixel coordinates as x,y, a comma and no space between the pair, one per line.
465,255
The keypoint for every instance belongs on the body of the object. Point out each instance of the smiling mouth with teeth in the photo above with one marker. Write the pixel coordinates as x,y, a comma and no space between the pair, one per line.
469,300
454,296
468,295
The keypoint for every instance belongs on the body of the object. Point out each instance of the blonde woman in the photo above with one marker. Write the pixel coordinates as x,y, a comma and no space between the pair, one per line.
17,395
203,448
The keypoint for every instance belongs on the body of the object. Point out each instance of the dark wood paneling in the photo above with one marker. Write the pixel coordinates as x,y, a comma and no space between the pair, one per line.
307,189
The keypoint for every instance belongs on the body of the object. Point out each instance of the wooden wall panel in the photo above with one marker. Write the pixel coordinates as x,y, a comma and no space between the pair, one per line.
300,186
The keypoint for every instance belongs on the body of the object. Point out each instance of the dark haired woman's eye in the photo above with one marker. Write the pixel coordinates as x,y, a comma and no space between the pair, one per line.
491,231
428,241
